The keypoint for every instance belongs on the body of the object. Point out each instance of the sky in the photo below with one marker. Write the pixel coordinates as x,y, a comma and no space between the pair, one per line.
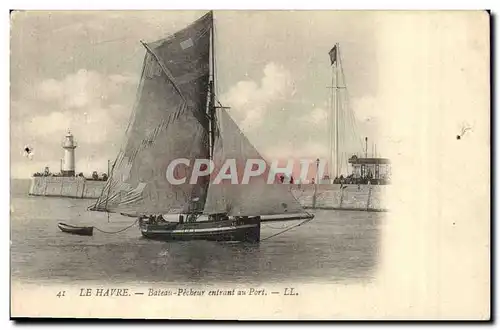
80,70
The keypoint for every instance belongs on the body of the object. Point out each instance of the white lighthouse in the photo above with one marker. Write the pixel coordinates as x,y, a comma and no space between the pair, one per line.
69,146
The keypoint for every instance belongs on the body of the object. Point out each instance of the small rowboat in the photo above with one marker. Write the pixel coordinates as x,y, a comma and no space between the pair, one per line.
83,231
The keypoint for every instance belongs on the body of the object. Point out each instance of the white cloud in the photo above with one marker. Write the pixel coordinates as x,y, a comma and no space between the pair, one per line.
49,89
81,89
276,83
123,78
87,126
318,116
81,102
94,106
47,125
253,118
250,100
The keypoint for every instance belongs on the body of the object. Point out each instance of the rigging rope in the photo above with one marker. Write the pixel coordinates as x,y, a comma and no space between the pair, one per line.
287,229
268,226
291,227
355,126
119,231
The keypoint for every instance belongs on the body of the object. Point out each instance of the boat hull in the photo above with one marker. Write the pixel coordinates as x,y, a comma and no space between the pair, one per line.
247,230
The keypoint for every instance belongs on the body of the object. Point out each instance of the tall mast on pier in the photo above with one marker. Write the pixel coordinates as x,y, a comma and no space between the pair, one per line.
334,110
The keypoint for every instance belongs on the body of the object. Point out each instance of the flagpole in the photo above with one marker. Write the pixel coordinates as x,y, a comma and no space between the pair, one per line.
336,111
332,117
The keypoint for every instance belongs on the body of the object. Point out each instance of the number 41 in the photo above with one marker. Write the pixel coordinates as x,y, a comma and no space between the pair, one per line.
60,294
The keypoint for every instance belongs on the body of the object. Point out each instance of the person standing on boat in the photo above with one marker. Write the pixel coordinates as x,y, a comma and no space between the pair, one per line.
191,217
141,219
152,219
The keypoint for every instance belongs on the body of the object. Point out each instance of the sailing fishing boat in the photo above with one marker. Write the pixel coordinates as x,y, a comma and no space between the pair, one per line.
177,117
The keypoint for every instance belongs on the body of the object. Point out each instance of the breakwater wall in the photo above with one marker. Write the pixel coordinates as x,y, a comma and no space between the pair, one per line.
328,196
349,197
73,187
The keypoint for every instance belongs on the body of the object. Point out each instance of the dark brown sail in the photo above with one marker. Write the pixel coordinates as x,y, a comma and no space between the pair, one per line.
169,122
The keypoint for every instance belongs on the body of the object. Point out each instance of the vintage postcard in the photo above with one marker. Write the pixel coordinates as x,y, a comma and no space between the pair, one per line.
250,165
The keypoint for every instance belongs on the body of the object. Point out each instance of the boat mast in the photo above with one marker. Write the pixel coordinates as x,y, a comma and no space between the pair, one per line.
330,133
211,101
212,107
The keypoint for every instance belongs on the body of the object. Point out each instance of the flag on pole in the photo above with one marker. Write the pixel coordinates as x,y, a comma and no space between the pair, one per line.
333,55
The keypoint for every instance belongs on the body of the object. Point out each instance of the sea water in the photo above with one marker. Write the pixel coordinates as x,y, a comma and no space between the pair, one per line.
336,246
